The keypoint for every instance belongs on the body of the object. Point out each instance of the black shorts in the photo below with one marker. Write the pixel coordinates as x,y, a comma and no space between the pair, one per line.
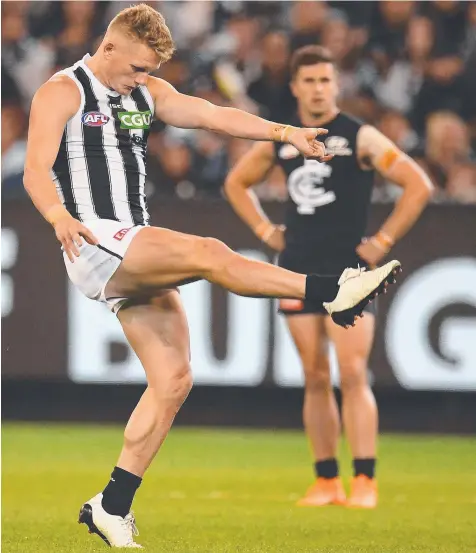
307,264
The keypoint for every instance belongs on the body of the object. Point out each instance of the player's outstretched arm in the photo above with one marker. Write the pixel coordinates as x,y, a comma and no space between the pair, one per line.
190,112
376,151
250,170
53,104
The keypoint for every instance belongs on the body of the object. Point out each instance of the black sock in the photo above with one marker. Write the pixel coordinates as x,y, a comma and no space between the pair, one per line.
328,468
119,493
321,288
365,466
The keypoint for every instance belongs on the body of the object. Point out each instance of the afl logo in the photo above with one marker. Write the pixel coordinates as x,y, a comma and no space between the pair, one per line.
94,119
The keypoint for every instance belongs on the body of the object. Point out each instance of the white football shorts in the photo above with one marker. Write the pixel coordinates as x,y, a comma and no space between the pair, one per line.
94,267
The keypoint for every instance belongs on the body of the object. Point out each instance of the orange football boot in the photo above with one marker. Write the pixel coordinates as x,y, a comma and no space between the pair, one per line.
324,491
363,493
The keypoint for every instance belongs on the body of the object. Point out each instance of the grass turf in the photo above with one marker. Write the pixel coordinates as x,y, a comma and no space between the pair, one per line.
234,491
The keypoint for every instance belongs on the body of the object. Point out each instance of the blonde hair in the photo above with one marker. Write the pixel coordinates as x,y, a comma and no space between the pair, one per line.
147,25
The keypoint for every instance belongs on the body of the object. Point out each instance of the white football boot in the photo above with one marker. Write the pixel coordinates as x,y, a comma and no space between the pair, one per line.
114,530
356,288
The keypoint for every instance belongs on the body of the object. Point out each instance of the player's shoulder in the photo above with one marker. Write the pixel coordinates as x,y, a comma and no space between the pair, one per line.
157,87
60,91
350,120
59,83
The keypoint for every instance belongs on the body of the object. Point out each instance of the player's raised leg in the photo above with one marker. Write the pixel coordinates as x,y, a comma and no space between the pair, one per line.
157,331
160,257
320,411
359,409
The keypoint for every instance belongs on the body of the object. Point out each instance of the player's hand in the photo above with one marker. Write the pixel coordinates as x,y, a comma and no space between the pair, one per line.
276,239
70,232
371,252
305,141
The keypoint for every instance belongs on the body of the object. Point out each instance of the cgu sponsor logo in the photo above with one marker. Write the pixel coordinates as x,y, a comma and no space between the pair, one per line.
135,119
94,119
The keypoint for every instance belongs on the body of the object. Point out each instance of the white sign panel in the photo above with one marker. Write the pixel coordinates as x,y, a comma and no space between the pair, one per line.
415,363
92,329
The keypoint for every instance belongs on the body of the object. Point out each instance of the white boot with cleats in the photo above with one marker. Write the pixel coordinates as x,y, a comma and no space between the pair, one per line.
113,529
356,288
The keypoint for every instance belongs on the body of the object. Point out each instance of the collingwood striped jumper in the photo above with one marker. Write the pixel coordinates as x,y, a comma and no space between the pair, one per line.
100,169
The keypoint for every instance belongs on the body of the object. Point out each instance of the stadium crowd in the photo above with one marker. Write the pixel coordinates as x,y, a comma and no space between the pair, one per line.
407,67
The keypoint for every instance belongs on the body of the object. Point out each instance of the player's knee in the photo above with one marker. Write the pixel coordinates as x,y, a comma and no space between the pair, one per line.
353,375
211,254
179,383
317,378
173,387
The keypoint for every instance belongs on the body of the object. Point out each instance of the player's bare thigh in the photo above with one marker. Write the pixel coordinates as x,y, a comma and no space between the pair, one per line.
309,335
353,346
157,329
160,258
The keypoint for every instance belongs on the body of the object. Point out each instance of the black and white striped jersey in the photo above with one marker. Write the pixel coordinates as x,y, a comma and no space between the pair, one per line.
100,169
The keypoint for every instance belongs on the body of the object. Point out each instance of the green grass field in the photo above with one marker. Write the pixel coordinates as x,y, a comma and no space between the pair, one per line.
234,491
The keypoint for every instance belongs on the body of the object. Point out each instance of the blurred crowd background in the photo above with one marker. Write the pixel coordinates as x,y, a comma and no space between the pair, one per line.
407,67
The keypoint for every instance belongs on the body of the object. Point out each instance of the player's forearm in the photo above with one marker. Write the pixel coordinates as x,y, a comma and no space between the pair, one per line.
247,205
418,190
241,124
42,192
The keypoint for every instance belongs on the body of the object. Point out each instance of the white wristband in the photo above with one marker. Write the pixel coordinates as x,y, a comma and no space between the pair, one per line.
269,232
378,244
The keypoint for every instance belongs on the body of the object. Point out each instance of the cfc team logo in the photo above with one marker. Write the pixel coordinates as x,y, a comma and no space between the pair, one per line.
306,186
94,119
